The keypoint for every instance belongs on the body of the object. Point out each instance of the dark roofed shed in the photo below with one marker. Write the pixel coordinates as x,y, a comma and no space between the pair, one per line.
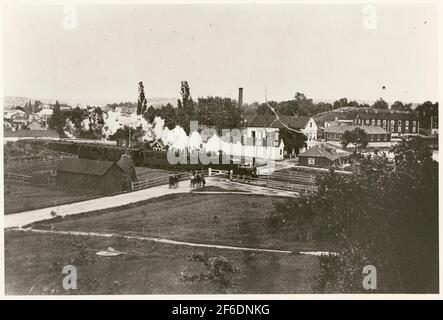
101,177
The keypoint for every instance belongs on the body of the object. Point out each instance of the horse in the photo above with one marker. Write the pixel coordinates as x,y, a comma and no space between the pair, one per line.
173,181
176,179
196,181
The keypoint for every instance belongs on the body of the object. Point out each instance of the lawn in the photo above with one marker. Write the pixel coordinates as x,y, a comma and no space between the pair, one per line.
20,197
28,170
148,173
229,219
34,264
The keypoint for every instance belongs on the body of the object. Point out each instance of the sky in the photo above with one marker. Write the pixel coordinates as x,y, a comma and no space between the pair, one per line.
322,50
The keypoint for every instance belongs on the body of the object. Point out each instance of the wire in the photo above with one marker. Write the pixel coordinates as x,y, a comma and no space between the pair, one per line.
278,117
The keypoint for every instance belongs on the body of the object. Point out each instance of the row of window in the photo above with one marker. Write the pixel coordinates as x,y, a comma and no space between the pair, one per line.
389,125
372,137
380,122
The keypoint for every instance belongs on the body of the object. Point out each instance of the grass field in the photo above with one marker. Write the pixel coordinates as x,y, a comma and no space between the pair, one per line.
28,170
22,197
148,173
229,219
34,264
34,261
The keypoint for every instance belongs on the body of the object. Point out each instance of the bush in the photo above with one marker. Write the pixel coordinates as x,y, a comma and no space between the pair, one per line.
219,270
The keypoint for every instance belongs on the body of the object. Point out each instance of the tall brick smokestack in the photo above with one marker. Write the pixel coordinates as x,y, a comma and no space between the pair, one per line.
240,97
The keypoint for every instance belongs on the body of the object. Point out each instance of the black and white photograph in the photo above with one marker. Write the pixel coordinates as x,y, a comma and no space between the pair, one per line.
259,148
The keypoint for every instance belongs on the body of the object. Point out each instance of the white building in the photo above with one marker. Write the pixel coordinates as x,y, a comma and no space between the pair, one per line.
262,126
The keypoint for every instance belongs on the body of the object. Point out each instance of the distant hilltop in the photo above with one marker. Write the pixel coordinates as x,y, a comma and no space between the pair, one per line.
12,101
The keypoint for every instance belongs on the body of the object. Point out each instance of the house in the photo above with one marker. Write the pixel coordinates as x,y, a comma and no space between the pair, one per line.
375,133
321,156
342,122
262,126
398,123
158,145
98,177
45,114
19,119
35,125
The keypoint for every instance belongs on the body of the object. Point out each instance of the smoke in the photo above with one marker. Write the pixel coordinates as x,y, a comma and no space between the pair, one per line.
159,127
175,139
214,144
195,141
114,120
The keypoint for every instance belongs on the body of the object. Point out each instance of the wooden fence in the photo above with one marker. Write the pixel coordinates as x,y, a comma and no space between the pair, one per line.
38,161
300,184
17,177
149,183
296,184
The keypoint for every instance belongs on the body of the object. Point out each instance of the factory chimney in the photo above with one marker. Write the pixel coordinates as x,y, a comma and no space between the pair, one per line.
240,97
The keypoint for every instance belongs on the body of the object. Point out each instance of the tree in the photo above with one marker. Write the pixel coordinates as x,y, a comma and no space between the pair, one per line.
96,123
186,107
427,111
145,106
263,108
150,114
361,139
141,98
343,102
358,137
169,115
58,119
127,133
292,140
347,138
399,106
220,112
380,104
354,104
304,105
386,216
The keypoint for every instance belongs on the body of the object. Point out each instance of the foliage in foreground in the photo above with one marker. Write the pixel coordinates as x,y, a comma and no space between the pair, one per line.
387,216
218,270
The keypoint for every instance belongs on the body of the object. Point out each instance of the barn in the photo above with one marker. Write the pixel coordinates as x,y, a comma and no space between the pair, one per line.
100,177
321,156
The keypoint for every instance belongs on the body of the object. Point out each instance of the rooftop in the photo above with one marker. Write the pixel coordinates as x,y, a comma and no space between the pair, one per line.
322,152
362,113
271,121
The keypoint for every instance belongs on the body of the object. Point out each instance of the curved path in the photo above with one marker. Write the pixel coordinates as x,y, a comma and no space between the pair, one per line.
21,219
161,240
